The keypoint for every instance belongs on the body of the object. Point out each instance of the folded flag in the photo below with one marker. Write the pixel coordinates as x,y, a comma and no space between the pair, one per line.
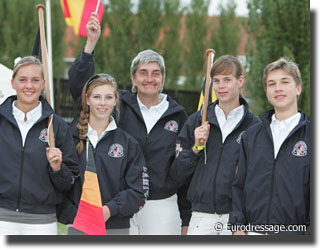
212,95
77,13
89,218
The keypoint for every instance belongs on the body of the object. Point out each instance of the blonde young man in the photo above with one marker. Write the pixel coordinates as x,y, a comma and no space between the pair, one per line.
271,191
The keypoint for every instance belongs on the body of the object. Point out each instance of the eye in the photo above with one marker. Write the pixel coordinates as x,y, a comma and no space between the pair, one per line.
96,96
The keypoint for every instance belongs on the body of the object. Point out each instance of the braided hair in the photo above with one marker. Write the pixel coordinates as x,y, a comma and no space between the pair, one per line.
85,112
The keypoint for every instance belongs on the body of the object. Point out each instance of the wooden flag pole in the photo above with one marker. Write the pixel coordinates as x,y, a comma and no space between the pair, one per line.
210,54
40,9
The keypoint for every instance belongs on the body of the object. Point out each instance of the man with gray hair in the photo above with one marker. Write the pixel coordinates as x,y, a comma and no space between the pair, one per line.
154,119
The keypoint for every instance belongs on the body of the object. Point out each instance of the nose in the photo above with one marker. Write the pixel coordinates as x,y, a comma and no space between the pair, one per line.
103,102
278,86
149,78
29,84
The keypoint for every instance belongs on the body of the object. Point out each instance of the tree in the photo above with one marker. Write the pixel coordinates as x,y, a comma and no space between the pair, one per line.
278,28
196,43
171,46
116,50
225,37
19,25
148,24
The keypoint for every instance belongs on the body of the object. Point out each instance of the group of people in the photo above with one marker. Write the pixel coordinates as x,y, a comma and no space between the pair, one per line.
159,171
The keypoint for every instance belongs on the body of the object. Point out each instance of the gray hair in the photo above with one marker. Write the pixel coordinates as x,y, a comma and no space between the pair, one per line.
148,56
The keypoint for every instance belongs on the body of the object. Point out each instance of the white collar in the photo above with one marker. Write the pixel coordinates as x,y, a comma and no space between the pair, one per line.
238,111
32,116
163,105
292,121
111,126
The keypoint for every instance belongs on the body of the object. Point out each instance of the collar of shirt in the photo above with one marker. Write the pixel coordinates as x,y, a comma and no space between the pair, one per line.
228,124
93,135
281,129
152,115
32,117
159,108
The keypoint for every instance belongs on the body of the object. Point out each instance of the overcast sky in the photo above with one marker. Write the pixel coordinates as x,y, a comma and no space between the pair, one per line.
213,8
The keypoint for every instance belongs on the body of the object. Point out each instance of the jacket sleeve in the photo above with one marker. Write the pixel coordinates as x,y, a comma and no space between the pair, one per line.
186,160
64,178
80,71
237,215
183,203
130,200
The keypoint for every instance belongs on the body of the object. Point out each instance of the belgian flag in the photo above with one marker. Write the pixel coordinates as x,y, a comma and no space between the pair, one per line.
212,96
89,218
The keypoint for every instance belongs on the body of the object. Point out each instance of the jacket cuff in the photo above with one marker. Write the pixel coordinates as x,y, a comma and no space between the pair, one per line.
85,57
113,206
185,217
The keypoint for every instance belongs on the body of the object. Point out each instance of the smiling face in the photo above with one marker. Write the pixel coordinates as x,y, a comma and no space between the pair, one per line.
281,90
28,82
101,101
148,79
227,87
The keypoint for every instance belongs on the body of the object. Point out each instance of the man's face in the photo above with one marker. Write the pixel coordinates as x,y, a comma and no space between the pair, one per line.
282,90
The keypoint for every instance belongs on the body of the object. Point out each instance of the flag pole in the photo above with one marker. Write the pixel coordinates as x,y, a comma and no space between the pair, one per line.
40,8
49,42
210,55
98,6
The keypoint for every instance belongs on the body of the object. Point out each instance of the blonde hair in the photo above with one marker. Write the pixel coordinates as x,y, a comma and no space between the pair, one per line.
27,60
94,81
287,66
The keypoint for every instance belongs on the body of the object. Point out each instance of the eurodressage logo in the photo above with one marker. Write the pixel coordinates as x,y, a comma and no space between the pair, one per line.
300,149
239,137
116,151
44,135
172,126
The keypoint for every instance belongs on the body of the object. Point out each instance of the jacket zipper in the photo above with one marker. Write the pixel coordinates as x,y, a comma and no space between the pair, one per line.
215,178
271,193
20,181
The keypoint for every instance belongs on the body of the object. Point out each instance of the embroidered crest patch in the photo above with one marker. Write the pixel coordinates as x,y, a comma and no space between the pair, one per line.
179,148
300,149
172,126
44,135
116,151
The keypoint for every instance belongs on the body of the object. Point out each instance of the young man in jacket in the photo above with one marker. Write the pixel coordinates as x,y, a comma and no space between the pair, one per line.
154,120
211,165
271,191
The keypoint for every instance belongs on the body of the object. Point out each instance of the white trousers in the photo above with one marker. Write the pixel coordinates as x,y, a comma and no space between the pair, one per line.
157,217
13,228
208,224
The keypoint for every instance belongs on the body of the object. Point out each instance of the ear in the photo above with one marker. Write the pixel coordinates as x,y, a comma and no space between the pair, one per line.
241,81
133,80
13,85
299,89
43,84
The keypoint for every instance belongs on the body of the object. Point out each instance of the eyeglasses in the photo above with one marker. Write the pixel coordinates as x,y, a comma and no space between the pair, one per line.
97,76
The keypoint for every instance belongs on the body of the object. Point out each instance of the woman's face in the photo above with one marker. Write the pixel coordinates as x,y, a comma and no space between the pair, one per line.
101,101
28,83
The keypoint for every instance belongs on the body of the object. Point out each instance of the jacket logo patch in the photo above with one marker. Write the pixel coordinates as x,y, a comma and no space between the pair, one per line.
44,135
239,137
300,149
172,126
179,148
116,151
